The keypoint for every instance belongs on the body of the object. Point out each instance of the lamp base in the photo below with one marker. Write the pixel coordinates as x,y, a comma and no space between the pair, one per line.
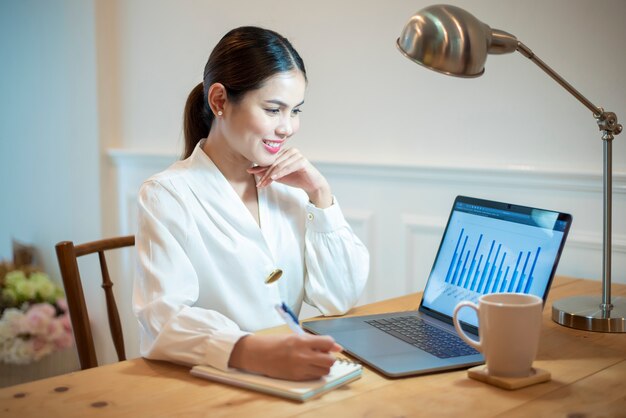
583,312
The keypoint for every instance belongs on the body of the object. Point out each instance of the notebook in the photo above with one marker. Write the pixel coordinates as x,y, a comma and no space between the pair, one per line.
342,372
487,247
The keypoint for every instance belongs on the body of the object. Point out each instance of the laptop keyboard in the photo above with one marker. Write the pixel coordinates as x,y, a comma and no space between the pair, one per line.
421,334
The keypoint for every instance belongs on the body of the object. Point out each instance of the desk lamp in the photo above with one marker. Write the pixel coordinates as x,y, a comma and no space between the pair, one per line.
449,40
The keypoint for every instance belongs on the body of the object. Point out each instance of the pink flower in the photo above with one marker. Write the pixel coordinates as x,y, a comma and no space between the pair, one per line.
41,347
39,343
38,318
65,321
44,308
30,331
62,304
55,330
65,340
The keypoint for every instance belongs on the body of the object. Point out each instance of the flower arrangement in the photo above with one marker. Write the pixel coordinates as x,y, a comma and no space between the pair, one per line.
34,319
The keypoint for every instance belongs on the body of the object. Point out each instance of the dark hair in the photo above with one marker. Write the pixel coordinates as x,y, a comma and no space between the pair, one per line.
242,61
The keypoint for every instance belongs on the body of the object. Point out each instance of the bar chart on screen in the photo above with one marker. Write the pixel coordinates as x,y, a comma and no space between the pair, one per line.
485,250
479,256
497,270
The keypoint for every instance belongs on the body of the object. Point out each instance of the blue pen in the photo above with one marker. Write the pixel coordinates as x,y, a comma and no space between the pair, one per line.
289,317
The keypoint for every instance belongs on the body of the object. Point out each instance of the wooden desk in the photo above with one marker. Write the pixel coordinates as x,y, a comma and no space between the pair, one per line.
588,379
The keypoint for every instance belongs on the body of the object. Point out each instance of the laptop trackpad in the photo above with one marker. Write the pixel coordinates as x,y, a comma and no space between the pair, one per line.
387,354
366,343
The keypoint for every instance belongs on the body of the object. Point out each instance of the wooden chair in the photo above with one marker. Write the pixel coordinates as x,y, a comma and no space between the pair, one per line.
67,254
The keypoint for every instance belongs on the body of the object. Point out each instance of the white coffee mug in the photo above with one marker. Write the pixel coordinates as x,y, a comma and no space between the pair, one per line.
509,325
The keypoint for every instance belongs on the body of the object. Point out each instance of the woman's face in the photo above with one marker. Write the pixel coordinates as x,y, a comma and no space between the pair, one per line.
259,125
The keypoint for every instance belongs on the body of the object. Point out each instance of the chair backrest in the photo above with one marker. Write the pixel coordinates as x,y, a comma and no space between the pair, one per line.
67,254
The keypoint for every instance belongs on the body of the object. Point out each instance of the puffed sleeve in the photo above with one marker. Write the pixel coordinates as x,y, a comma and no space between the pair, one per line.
336,261
166,288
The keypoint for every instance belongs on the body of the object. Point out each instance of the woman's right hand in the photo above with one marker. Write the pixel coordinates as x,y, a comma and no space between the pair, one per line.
291,357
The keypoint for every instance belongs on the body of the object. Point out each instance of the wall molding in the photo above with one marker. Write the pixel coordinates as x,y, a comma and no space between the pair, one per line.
513,176
589,241
526,177
133,158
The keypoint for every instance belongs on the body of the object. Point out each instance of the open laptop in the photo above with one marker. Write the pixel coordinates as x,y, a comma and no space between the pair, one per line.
487,247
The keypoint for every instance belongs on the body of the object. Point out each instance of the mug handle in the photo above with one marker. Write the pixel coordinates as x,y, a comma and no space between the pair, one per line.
457,325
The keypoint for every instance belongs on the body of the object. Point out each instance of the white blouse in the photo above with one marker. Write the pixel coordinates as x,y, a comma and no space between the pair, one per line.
203,261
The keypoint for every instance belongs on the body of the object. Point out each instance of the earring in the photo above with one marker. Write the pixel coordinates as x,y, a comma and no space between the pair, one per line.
220,113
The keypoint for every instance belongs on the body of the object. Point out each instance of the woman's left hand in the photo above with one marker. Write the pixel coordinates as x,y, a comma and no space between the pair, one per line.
293,169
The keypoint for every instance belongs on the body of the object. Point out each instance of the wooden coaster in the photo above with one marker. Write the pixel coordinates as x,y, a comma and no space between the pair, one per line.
510,383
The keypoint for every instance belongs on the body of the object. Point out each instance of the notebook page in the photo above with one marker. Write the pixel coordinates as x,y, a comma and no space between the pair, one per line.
341,372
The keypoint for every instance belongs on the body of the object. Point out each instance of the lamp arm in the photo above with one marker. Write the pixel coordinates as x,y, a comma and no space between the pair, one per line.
528,53
607,121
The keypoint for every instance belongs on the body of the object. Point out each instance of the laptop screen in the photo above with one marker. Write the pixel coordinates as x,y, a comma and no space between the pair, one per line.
493,247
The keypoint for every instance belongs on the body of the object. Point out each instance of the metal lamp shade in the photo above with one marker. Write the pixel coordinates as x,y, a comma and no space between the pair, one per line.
452,41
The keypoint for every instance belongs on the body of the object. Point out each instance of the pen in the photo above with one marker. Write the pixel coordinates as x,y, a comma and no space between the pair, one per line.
289,317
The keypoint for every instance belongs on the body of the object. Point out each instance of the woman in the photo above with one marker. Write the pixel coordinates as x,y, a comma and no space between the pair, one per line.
214,226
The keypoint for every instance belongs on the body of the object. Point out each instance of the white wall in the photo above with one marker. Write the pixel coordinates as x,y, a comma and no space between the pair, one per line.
366,102
49,154
49,150
84,78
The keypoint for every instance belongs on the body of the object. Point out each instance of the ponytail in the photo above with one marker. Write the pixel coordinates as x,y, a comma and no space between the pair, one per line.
197,120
